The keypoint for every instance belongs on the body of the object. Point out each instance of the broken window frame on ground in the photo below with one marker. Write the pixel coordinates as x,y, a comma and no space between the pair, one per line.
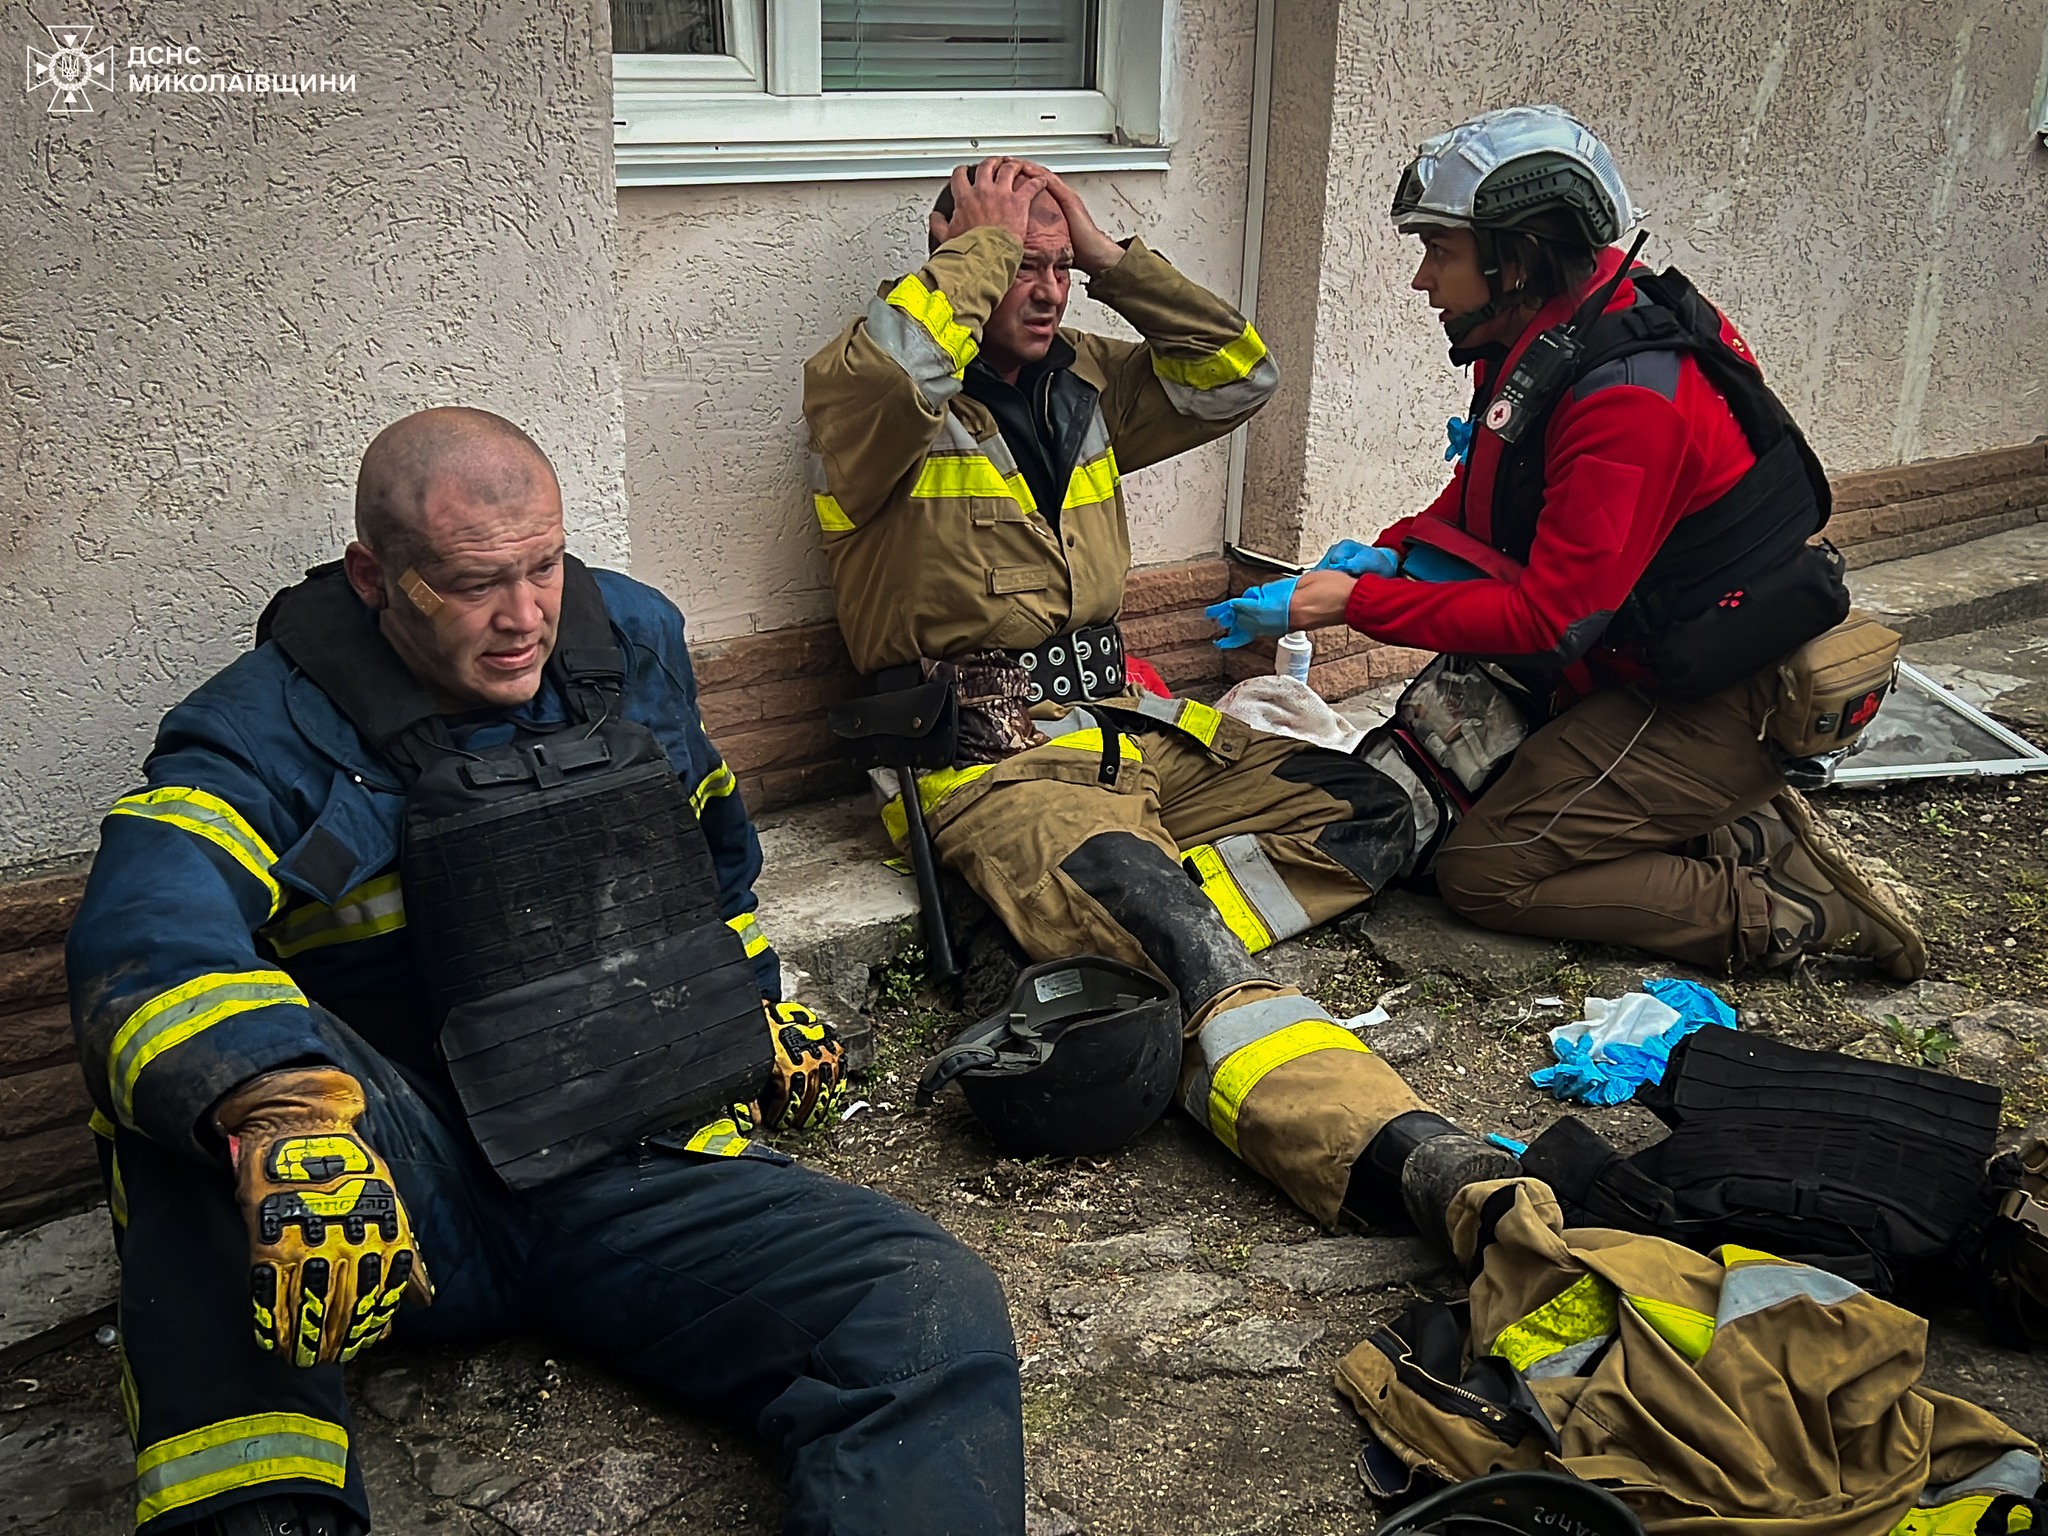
2025,758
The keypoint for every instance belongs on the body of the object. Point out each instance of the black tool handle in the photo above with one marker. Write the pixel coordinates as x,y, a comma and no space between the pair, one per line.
938,944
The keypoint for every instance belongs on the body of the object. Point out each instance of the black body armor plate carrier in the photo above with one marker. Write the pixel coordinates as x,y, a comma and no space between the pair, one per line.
560,896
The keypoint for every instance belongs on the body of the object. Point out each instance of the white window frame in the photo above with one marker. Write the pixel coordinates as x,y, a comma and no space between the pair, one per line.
758,113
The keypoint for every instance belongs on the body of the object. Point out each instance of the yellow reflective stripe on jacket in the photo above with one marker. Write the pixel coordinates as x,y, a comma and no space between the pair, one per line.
171,1018
716,785
1228,897
372,908
212,818
1581,1313
1958,1517
1226,366
721,1138
237,1453
1092,482
934,788
930,308
751,936
1243,1069
832,517
952,475
1687,1331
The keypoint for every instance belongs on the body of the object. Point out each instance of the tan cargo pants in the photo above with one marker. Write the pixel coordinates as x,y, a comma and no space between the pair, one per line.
1203,843
1585,835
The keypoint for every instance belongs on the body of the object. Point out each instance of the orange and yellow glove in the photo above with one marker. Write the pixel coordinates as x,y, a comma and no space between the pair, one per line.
331,1250
807,1078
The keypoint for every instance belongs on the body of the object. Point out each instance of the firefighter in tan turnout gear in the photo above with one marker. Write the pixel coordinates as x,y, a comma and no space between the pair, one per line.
967,455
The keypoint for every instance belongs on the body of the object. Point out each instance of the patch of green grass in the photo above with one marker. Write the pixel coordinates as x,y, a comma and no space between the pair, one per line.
1930,1044
900,979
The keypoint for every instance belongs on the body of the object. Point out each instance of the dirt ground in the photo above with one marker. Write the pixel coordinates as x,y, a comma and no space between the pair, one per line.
1177,1380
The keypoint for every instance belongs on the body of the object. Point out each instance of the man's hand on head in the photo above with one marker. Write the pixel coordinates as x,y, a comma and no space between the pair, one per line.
1094,252
1000,193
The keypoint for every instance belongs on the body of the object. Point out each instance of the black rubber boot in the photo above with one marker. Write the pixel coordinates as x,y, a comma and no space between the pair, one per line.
1413,1167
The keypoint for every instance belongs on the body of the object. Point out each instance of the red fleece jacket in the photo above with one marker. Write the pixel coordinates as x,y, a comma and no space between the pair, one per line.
1623,463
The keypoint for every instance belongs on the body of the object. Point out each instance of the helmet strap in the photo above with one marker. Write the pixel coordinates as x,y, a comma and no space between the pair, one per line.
1487,252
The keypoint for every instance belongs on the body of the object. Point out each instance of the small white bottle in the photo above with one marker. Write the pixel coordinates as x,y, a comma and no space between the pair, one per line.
1291,655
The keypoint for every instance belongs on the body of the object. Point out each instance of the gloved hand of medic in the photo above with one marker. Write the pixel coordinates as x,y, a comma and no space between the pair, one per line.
331,1248
1260,613
808,1076
1356,559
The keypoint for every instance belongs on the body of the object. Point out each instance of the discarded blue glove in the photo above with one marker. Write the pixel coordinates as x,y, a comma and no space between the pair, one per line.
1356,559
1425,562
1460,432
1261,612
1604,1062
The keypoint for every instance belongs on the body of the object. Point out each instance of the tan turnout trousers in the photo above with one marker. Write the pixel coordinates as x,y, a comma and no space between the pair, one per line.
1585,835
1211,842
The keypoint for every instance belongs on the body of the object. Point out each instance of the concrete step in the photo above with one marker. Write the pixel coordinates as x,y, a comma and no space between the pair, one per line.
2002,579
57,1282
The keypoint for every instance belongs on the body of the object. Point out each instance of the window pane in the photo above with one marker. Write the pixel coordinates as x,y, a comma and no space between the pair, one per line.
959,45
668,26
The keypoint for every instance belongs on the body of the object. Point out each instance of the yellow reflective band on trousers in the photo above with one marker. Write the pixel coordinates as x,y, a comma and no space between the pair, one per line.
716,785
1242,1070
947,477
1093,482
237,1453
1580,1314
930,308
372,908
934,788
832,517
1958,1517
1228,897
752,939
171,1018
212,818
1226,366
1191,717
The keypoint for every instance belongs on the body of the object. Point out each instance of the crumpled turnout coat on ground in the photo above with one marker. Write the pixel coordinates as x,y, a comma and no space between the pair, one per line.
1731,1393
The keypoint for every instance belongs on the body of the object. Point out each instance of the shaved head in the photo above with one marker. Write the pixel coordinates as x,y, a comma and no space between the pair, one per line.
482,458
458,552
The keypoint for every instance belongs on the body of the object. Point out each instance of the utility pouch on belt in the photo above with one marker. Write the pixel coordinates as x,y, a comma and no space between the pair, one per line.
1864,1168
2012,1270
1832,686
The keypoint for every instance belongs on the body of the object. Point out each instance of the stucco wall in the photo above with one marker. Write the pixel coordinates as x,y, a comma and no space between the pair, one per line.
213,302
1855,185
725,290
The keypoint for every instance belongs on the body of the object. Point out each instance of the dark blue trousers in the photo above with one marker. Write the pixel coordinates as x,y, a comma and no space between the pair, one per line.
863,1341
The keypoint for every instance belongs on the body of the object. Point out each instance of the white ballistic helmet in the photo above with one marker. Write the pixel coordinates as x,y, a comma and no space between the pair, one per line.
1502,168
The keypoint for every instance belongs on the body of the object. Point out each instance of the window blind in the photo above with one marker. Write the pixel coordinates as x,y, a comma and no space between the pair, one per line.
958,45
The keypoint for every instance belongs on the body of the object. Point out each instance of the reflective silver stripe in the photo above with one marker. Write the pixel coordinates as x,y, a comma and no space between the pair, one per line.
171,1018
1750,1288
1566,1361
1262,885
954,437
1239,398
1166,711
814,474
1072,720
1094,441
1231,1031
2015,1472
236,1454
913,349
998,453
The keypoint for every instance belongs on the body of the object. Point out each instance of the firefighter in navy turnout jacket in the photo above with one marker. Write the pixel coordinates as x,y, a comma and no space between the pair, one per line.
1634,516
968,454
428,950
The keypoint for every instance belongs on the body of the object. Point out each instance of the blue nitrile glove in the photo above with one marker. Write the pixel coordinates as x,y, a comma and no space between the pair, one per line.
1425,562
1460,433
1356,559
1261,612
